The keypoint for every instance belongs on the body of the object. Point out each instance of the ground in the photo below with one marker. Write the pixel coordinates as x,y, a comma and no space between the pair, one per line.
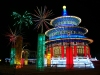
31,70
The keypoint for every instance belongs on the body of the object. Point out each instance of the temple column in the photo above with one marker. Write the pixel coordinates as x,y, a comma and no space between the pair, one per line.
75,51
85,53
69,58
62,51
89,52
51,51
46,51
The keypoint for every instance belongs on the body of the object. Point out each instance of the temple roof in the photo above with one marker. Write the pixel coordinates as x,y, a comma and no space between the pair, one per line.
65,21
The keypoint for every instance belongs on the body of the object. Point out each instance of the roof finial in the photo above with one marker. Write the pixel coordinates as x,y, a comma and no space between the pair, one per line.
64,11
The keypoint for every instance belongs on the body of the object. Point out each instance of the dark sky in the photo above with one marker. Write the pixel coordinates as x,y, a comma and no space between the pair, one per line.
87,10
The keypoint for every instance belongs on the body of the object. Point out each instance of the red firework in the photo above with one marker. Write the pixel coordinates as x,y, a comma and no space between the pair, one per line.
12,36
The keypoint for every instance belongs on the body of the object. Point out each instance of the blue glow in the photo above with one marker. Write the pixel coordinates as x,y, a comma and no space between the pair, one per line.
66,25
59,31
66,36
66,20
64,11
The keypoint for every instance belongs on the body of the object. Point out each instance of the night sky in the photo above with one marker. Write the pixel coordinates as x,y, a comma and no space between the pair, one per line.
88,11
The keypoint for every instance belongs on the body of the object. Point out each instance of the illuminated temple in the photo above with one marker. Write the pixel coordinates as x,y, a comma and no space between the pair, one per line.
67,45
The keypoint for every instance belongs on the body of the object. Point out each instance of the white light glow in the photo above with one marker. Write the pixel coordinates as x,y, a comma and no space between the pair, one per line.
78,62
64,7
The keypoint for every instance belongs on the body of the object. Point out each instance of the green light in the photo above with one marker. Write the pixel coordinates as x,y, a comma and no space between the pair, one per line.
40,52
12,56
24,19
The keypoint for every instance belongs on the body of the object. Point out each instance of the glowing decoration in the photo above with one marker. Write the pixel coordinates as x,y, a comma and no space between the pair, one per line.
0,60
25,55
46,51
22,62
40,52
62,51
51,51
69,58
12,38
41,18
85,53
65,21
48,59
75,51
64,11
12,56
24,19
18,47
64,7
57,51
89,52
67,41
18,66
22,58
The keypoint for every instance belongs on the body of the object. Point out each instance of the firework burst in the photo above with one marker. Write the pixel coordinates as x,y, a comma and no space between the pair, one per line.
41,18
12,36
25,19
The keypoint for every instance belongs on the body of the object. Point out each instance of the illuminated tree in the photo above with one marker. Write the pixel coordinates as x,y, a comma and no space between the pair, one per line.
25,19
18,46
21,20
12,38
41,19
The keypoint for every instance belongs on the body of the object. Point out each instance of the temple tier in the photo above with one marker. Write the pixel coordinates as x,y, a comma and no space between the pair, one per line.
67,45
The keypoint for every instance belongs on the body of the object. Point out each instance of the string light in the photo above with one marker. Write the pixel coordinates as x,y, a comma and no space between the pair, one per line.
25,19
